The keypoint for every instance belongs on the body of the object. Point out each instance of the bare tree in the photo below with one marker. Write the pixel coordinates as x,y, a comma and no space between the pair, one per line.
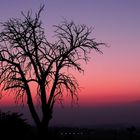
26,56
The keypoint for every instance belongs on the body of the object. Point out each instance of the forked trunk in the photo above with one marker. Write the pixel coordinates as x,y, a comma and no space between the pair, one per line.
43,133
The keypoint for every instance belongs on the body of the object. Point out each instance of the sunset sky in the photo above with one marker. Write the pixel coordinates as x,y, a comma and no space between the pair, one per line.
111,77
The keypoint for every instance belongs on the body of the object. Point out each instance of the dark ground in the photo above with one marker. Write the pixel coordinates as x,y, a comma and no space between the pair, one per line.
65,133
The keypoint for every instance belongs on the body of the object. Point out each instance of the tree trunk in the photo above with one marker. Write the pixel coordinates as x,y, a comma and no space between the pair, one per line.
44,126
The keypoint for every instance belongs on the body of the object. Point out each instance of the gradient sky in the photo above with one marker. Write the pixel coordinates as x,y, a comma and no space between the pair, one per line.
113,77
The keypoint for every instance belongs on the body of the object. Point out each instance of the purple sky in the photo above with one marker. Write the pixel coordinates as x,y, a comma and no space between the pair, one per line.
111,77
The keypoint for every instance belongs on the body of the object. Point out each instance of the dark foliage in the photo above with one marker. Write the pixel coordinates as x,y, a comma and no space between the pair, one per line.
13,126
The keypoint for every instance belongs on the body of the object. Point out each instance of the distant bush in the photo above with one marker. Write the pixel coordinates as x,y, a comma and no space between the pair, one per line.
13,126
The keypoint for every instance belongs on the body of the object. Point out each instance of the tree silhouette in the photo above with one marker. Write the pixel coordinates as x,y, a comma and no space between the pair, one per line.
26,57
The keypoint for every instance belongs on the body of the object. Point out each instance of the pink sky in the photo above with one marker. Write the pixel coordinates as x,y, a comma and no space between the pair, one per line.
113,76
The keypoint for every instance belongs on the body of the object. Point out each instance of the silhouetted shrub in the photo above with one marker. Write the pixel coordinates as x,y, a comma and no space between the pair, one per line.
13,126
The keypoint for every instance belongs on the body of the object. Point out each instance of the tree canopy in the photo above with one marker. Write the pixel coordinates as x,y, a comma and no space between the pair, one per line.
27,56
